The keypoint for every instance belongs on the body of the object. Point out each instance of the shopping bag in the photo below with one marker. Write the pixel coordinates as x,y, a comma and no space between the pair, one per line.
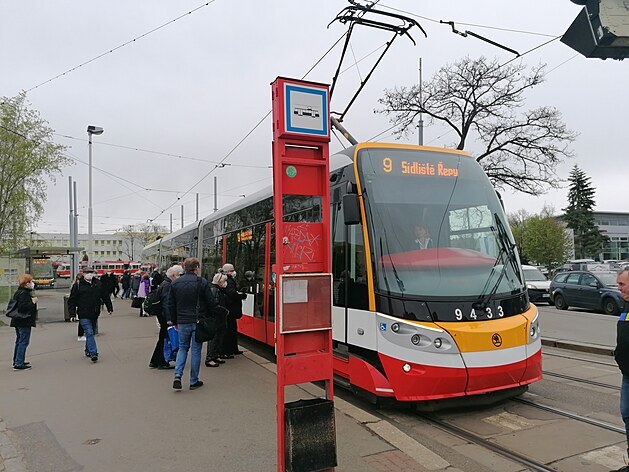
173,337
169,355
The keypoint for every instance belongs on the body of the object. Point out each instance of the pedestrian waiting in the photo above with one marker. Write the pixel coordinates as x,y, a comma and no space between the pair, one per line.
23,318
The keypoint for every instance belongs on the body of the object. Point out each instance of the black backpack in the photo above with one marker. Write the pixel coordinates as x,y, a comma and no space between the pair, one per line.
153,302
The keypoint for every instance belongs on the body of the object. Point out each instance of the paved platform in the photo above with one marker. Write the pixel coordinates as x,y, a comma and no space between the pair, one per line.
67,414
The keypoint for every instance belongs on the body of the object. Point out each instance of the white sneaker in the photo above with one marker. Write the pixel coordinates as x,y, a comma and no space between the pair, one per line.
81,339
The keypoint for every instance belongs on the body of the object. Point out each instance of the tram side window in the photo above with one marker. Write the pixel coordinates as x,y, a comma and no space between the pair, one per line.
338,251
212,257
248,259
302,209
349,281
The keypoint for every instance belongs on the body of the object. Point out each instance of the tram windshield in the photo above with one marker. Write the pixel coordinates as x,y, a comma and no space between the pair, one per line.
436,226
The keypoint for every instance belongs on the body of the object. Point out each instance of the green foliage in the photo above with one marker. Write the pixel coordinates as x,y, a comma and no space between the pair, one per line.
28,157
541,238
588,241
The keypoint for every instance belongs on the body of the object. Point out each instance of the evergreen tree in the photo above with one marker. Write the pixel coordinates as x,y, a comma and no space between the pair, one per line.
588,241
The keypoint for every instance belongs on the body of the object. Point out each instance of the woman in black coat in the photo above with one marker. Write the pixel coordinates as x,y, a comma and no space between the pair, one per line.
26,303
234,300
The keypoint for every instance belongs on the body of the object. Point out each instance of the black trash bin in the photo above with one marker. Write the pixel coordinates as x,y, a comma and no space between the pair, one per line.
66,311
310,435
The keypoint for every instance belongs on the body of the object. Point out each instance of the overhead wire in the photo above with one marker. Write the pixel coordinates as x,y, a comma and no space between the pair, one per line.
509,30
120,46
248,134
159,153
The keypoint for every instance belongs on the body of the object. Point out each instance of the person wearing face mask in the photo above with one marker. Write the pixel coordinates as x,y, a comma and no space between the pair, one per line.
85,301
234,305
26,303
217,289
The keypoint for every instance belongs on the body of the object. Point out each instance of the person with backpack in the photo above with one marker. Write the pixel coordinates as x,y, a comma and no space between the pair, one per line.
217,289
157,304
85,300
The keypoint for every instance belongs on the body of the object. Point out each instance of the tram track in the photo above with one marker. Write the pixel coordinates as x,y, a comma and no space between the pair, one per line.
513,456
580,380
580,359
569,414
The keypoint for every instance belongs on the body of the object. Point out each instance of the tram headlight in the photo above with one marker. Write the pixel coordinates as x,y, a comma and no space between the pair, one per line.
395,327
406,368
533,331
438,342
415,339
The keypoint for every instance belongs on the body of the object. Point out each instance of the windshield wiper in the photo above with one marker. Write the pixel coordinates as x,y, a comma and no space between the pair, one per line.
509,247
506,248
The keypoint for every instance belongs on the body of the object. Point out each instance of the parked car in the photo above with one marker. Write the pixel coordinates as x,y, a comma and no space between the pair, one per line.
584,289
537,284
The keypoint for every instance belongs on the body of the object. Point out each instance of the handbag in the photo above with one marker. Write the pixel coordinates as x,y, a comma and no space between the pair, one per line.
12,311
205,330
137,302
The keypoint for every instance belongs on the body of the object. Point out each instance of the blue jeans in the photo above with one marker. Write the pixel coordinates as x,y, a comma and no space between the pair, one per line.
88,330
186,340
22,340
624,405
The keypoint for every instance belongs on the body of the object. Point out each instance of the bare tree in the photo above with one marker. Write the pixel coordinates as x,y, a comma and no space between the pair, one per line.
482,101
140,234
149,232
130,237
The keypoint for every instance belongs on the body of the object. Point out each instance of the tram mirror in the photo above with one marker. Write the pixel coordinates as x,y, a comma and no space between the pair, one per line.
351,210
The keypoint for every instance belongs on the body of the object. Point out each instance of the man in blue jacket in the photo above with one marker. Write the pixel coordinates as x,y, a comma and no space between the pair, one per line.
622,353
189,300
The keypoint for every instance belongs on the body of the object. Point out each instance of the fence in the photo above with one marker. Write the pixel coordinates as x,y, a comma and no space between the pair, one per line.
10,269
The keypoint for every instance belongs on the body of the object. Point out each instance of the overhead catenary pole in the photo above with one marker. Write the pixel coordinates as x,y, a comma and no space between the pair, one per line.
420,125
182,216
171,222
75,258
71,232
215,194
197,217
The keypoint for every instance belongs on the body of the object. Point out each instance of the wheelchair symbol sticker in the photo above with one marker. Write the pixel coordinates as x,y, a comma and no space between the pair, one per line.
383,326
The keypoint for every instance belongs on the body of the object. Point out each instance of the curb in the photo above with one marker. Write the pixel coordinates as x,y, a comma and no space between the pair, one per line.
382,428
581,347
10,457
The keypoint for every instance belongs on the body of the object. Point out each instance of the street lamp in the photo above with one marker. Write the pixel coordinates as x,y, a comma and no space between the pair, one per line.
90,131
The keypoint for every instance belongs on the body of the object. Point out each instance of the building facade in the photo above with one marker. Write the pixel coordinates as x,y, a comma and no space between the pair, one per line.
104,246
616,227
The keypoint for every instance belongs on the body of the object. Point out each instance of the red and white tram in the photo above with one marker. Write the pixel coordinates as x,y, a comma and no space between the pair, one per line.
413,321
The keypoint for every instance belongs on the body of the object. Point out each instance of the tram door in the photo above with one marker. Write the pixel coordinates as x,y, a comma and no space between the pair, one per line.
269,285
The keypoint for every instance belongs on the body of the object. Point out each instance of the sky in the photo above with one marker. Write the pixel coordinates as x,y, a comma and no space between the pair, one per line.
193,91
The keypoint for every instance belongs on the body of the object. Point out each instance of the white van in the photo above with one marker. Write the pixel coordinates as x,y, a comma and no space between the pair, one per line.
537,284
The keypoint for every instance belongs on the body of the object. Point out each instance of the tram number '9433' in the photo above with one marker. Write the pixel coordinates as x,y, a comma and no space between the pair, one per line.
485,314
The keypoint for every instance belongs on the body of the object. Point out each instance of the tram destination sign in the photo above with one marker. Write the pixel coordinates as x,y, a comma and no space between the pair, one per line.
418,167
